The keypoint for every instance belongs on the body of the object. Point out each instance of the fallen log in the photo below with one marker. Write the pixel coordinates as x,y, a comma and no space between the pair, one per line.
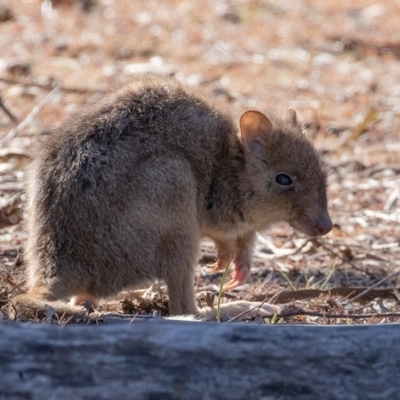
187,360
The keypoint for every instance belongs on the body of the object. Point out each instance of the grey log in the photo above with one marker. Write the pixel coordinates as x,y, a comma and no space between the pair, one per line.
183,360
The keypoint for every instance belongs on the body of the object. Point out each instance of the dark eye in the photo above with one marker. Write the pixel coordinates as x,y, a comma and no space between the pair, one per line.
283,179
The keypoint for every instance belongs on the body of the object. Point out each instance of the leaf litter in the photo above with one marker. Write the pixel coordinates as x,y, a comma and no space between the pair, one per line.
337,64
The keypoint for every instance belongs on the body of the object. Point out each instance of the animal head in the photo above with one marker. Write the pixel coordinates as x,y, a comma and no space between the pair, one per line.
287,176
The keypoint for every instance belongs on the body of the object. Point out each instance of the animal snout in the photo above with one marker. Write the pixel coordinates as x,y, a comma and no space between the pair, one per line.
323,225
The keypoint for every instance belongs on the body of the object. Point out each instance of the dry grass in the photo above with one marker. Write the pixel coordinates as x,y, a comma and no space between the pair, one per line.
336,63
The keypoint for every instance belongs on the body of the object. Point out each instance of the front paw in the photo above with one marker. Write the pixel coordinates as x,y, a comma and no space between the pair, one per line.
218,266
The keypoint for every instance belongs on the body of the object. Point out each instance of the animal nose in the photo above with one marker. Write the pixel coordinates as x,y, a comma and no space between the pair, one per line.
324,225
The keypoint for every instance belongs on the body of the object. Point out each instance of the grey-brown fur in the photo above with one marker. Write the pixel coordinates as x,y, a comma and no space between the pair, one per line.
123,193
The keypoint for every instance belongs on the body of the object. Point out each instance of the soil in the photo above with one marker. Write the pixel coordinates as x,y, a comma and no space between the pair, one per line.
337,63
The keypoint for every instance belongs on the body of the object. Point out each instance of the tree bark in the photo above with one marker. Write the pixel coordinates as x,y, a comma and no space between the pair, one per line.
187,360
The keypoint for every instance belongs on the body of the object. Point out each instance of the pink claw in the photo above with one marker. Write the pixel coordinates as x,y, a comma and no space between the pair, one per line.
219,265
239,276
215,267
232,284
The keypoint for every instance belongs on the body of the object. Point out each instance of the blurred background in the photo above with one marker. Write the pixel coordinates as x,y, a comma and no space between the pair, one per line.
337,63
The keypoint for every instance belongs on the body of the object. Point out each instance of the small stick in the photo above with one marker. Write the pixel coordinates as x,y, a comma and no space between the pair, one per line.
355,266
51,86
6,154
275,296
13,133
250,309
353,316
221,289
374,286
8,278
133,318
15,311
8,112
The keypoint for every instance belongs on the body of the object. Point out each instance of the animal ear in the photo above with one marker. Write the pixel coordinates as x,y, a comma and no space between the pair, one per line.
255,128
292,116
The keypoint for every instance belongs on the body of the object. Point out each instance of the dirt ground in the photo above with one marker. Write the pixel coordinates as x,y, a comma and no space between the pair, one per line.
337,63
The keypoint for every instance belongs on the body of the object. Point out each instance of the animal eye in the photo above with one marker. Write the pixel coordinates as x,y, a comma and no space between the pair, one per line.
283,179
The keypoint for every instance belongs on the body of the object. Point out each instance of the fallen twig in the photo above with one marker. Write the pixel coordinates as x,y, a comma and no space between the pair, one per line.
277,252
360,128
6,154
50,86
221,288
11,211
286,296
374,286
247,311
8,278
30,116
336,254
327,315
7,111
